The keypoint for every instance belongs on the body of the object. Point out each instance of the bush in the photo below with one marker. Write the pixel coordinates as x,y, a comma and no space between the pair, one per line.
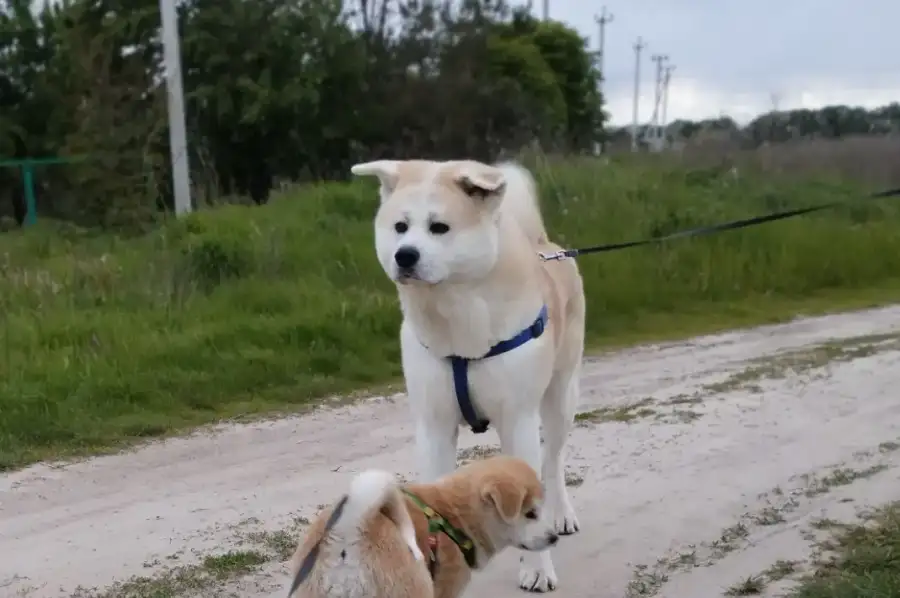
245,310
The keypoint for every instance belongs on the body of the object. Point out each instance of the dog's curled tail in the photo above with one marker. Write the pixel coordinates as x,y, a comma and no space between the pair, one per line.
372,491
520,200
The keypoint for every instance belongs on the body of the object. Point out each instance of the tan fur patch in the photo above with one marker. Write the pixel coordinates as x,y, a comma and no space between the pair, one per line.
387,566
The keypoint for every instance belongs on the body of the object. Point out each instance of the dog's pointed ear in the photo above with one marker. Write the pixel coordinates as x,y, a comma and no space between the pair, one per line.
387,172
482,183
506,498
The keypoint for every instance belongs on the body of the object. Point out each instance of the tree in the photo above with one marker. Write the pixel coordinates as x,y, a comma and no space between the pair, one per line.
295,89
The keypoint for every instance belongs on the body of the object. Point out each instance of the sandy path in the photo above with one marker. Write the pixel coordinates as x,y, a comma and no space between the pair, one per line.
753,452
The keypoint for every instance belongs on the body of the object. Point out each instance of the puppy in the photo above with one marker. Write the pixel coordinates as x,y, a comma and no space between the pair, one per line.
383,540
491,332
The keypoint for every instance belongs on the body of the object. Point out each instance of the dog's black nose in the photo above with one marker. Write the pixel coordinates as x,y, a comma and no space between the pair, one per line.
406,257
552,539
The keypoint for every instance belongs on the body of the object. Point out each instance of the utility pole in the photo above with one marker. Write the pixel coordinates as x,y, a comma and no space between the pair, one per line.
654,129
667,78
638,48
177,130
546,10
602,21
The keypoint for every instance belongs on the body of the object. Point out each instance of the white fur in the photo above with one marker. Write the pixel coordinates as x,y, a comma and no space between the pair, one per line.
343,570
370,491
520,200
458,306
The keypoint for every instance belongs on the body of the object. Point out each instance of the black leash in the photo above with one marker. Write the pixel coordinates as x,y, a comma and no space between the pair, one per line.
309,560
715,228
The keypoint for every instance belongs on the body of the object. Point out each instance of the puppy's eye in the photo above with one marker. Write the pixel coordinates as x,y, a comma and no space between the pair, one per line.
401,227
532,514
438,228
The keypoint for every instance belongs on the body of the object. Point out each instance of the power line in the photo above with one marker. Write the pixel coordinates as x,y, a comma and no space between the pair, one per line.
177,130
638,48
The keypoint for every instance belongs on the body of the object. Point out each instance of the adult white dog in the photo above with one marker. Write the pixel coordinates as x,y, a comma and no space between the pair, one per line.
490,332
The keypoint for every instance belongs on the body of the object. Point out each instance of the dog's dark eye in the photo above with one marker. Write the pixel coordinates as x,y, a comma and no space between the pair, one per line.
532,514
438,228
401,227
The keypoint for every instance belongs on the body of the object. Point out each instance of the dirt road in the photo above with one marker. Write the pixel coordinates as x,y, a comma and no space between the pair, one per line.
701,464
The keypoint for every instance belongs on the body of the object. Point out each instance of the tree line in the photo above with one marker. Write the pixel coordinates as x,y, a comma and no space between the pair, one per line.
779,126
275,90
299,90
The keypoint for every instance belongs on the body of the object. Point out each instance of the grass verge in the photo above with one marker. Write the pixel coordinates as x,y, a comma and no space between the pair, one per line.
648,580
200,579
242,311
862,561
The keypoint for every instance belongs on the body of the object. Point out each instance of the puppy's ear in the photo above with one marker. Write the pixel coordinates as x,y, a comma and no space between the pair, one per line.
484,184
387,172
506,498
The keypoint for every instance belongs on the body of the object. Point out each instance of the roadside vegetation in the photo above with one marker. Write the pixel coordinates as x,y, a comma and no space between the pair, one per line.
242,311
859,561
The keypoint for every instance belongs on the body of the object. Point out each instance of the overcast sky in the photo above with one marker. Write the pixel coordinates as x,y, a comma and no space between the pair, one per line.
735,56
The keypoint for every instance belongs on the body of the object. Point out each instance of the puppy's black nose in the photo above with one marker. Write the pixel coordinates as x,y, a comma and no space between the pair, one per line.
407,257
552,539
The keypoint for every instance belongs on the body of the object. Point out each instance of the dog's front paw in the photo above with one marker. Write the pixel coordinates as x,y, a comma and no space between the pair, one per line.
537,580
565,523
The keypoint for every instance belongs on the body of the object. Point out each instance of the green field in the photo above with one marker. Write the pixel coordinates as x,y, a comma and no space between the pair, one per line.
241,311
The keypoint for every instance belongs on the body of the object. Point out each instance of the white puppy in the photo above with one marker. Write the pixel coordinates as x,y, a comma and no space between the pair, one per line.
461,241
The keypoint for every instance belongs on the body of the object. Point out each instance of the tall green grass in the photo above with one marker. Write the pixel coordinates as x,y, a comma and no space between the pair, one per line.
248,310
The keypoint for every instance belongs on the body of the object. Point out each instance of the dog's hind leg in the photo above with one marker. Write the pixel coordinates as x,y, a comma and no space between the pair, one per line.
558,419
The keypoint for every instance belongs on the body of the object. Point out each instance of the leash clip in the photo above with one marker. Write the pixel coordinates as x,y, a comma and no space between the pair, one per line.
552,257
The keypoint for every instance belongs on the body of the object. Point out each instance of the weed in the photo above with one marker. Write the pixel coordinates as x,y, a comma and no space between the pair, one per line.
751,586
476,453
234,562
573,480
768,516
781,569
862,560
804,360
281,543
181,581
694,399
824,523
841,476
645,582
737,531
621,413
888,447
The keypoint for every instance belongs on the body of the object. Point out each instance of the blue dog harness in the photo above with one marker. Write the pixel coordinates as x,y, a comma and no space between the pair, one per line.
460,367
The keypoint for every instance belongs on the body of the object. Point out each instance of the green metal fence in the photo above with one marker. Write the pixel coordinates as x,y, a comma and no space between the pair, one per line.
27,166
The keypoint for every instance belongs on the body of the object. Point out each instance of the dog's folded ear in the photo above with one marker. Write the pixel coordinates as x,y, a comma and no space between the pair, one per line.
387,172
506,498
481,181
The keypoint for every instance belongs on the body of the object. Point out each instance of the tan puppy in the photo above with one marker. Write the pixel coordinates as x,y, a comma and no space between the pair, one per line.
490,332
386,541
